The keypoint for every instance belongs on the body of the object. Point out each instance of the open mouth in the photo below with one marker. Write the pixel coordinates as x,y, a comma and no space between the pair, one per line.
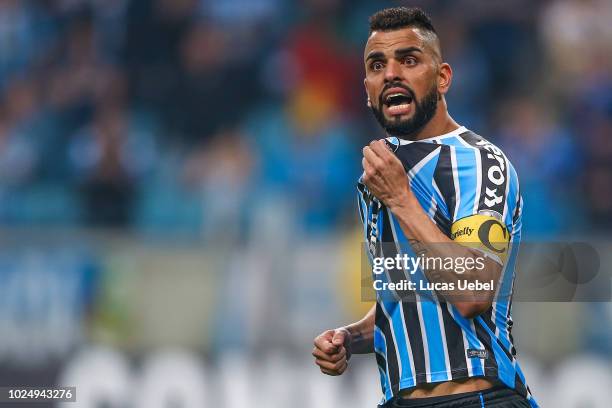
397,101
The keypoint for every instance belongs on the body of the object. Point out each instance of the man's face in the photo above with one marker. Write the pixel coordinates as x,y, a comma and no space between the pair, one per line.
402,79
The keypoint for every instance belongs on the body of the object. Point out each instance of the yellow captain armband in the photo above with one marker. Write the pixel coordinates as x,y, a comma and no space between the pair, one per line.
483,232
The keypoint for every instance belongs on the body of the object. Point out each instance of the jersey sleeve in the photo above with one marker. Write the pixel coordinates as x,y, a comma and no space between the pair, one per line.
483,187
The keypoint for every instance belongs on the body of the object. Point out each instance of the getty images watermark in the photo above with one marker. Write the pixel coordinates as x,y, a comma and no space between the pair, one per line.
540,271
412,264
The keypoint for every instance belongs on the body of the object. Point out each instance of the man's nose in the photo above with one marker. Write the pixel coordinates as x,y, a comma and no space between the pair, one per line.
393,71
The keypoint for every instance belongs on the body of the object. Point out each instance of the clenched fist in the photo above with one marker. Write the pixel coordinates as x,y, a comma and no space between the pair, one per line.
384,174
332,351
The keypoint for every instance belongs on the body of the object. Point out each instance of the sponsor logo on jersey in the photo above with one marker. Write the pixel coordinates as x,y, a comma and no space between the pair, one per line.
495,169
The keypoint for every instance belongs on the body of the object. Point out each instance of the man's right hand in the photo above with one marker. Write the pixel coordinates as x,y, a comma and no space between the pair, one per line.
332,351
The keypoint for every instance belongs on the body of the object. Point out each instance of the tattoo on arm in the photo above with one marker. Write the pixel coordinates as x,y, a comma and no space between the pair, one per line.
418,248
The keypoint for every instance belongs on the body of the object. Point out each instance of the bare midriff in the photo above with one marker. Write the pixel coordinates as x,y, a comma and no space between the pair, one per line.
447,388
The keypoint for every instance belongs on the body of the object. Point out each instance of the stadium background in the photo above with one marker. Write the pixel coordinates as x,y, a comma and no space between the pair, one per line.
177,204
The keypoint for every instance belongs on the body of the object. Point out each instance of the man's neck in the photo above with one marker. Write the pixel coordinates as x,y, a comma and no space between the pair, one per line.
440,124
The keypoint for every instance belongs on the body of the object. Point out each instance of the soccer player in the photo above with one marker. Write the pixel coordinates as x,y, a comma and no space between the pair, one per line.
432,189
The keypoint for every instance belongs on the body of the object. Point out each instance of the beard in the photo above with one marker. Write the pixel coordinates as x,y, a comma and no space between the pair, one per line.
424,110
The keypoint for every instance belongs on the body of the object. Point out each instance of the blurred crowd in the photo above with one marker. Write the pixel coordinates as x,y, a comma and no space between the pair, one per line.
239,124
220,118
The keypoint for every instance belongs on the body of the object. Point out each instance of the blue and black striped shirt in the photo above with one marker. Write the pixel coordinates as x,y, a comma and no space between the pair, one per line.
453,176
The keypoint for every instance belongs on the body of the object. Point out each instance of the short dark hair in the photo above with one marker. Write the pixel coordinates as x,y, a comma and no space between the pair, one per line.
391,19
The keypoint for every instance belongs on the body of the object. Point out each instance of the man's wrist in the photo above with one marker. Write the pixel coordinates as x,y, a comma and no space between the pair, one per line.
349,332
347,340
404,202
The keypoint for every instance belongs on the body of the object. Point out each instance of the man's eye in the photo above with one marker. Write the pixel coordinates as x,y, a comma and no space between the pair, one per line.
410,61
377,65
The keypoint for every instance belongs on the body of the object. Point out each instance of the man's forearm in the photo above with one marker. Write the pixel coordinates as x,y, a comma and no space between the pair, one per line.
427,240
362,333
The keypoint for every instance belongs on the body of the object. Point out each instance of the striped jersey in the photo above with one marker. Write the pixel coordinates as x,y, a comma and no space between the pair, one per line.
455,177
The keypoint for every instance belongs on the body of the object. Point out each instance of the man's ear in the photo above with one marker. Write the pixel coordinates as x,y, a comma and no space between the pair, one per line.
365,84
445,77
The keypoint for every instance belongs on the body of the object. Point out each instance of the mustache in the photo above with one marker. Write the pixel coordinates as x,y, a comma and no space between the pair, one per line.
396,85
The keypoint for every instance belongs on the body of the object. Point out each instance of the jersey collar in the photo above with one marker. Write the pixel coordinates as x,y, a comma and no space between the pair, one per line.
433,139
